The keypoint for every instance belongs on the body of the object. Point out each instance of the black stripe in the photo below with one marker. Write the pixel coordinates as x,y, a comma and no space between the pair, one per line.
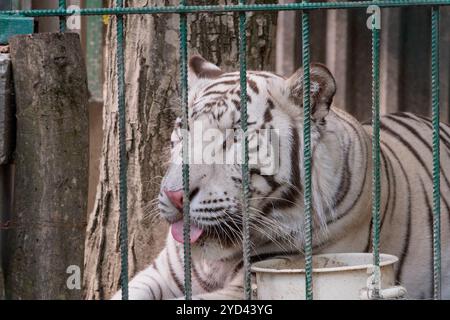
270,103
210,210
267,115
414,152
288,197
161,293
224,82
159,287
252,84
153,293
193,193
383,215
346,176
172,272
213,92
237,180
369,240
388,181
394,189
405,249
445,127
295,188
175,278
236,103
430,229
249,99
205,285
361,189
444,136
270,180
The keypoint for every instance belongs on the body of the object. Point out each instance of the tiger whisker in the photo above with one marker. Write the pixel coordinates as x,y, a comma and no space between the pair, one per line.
272,224
276,198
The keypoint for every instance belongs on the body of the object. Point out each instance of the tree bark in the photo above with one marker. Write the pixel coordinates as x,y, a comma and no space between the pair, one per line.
6,110
47,227
152,102
6,146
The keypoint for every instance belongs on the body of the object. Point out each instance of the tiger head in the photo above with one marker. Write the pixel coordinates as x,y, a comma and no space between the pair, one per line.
215,144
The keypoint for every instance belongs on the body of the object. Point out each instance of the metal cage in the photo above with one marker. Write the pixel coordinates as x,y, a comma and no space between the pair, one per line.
307,8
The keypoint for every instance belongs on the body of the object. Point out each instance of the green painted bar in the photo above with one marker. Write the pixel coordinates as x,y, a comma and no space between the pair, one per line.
14,25
185,151
245,168
307,155
62,19
436,153
376,187
231,8
123,163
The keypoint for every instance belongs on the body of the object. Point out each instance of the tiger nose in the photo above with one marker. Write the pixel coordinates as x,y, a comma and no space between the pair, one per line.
176,197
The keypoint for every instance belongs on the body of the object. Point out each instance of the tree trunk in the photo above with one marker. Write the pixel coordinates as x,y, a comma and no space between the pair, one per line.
152,97
46,233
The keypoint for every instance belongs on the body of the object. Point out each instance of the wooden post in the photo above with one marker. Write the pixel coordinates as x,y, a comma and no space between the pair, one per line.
51,181
6,148
6,110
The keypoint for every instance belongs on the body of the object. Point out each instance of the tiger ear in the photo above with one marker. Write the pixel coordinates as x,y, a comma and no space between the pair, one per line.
322,85
199,68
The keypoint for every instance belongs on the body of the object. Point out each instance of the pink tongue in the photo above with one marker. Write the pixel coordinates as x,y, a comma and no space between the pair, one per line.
177,232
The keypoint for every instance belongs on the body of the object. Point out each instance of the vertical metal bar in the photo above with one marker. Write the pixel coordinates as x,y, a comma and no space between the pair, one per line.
62,19
186,203
307,154
120,60
376,188
245,174
436,153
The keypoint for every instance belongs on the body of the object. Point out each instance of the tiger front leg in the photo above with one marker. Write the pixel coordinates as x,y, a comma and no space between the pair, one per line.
233,291
156,282
228,293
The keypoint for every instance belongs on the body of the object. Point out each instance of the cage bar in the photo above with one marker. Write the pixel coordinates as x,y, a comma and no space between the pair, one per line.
228,8
183,9
120,61
185,146
307,154
62,18
245,174
376,186
436,153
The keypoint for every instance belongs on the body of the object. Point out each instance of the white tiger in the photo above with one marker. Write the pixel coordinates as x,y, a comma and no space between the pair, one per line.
341,182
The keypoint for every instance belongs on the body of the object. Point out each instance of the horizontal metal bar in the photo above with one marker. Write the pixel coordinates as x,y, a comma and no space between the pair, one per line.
226,8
